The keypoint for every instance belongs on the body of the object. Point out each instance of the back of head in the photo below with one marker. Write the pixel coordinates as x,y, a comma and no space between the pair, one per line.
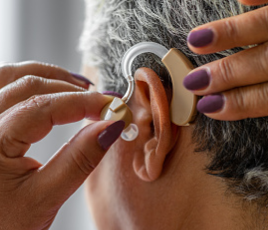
238,149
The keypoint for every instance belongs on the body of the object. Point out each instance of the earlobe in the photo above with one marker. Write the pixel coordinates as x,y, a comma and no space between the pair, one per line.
150,105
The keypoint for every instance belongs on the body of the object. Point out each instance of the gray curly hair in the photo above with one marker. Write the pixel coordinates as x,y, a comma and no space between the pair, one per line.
238,150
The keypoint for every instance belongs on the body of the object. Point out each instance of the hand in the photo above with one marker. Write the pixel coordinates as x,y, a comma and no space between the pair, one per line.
31,194
235,87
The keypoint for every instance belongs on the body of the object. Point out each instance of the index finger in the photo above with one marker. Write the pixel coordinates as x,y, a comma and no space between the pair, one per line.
31,120
242,30
11,72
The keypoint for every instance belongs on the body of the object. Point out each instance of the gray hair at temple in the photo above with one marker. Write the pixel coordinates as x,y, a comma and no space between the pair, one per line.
238,150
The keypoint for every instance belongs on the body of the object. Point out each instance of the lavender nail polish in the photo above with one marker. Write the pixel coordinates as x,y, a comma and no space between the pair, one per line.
201,38
82,78
197,80
210,104
110,134
112,93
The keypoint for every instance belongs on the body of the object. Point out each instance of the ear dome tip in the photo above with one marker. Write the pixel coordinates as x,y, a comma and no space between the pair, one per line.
130,133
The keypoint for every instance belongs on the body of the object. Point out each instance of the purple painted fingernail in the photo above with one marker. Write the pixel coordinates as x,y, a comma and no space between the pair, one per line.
82,78
201,38
197,80
112,93
110,134
210,104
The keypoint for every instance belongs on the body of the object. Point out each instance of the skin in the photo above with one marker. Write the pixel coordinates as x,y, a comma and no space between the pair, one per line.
157,181
31,194
154,182
242,77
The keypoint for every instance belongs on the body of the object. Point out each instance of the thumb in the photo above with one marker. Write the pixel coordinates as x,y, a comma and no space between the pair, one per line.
71,165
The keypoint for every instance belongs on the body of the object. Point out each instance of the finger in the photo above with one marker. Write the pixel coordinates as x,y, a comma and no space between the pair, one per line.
247,67
68,169
31,120
253,2
11,72
28,86
236,104
242,30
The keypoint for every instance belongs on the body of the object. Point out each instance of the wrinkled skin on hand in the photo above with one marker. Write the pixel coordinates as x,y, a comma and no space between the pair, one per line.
241,78
34,97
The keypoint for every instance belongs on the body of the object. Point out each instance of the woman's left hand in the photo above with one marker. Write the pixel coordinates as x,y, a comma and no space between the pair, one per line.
235,87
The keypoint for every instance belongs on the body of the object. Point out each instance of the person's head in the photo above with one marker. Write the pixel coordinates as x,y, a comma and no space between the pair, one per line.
167,167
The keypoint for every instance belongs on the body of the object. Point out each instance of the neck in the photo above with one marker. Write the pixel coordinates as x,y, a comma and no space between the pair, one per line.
201,200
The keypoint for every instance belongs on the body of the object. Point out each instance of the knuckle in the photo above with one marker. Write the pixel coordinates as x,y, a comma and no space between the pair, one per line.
263,59
38,101
259,95
82,161
250,101
231,29
238,100
226,72
12,147
5,143
29,82
263,91
3,164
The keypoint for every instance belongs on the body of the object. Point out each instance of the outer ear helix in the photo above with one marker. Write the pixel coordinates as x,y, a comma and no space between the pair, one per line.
148,161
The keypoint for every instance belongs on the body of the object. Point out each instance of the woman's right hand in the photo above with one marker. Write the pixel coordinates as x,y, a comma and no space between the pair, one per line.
235,87
33,98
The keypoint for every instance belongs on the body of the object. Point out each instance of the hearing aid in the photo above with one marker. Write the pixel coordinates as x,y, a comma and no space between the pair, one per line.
183,103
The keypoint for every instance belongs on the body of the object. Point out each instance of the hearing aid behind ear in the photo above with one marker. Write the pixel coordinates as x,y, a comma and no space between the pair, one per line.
183,104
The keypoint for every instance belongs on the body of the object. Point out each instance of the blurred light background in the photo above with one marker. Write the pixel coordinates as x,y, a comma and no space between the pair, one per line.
48,31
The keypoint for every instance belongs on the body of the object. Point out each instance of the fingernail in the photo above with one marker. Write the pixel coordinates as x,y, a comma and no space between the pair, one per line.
197,80
201,38
112,93
110,134
82,78
210,104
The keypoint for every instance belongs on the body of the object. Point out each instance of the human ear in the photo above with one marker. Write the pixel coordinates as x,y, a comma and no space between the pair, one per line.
157,136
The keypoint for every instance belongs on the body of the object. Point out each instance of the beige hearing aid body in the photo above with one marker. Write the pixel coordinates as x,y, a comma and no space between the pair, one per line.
183,104
117,110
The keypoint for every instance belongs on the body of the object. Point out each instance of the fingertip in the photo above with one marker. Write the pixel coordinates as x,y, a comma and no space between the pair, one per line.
200,50
108,136
211,104
201,38
217,107
81,80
